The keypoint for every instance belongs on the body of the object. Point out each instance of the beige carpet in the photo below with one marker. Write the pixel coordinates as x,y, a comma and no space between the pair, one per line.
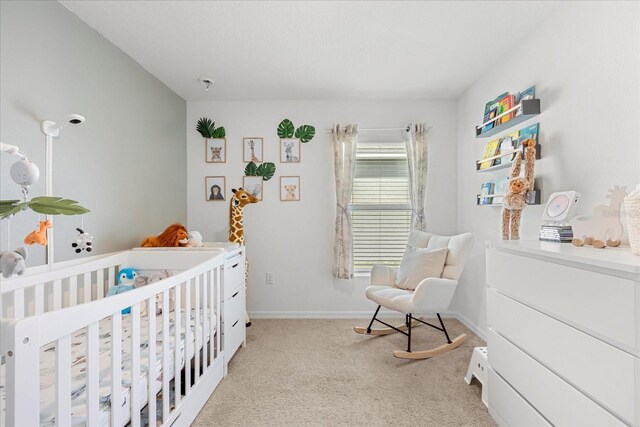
319,372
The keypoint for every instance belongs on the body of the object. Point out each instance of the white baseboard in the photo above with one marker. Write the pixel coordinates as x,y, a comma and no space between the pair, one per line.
356,315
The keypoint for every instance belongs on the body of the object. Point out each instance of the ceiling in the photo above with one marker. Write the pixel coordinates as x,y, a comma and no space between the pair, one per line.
315,49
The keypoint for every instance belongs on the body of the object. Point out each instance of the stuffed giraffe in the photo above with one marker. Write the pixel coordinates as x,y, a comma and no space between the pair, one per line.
239,200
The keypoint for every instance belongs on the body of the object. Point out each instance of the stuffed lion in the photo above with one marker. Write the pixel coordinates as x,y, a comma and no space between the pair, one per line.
175,235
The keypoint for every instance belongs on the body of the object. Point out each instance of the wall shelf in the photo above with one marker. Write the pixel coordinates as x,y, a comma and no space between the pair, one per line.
533,198
504,164
527,109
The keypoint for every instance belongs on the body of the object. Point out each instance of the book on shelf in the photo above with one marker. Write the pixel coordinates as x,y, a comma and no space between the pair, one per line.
506,145
485,190
532,132
491,111
489,151
528,93
500,186
505,104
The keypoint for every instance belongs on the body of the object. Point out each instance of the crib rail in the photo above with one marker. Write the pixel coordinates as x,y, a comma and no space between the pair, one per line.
194,359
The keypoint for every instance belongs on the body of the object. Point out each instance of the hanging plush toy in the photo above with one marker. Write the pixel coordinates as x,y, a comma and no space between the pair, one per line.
516,198
39,236
13,262
83,241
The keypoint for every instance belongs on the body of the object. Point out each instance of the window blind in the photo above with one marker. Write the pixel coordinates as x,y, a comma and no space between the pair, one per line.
380,205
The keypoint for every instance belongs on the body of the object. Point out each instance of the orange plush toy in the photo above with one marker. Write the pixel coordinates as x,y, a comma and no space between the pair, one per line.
39,236
175,235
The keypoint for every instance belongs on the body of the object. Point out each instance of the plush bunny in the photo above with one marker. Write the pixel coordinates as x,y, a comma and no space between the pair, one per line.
13,262
144,280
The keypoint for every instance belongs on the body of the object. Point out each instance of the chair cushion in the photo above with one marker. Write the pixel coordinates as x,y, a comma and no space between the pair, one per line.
459,248
419,263
391,298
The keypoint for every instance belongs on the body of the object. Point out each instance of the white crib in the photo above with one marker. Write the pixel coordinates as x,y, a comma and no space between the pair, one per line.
68,352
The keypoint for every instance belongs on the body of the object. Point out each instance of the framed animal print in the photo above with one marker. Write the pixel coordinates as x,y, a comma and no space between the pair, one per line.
290,188
252,150
215,150
290,150
253,185
215,188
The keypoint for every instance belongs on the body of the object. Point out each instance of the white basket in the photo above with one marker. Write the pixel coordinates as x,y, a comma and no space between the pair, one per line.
632,209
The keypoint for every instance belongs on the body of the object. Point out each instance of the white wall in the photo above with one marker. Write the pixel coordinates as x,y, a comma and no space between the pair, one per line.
127,162
585,63
295,239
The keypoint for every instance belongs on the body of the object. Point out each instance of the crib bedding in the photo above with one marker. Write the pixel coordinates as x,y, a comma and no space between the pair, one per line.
78,370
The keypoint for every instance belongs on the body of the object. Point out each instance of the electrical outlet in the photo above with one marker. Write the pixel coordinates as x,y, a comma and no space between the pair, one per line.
271,278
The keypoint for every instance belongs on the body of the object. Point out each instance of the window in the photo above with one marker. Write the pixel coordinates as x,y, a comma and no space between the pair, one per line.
380,205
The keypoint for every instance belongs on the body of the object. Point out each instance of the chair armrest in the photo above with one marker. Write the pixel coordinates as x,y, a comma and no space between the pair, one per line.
381,275
434,294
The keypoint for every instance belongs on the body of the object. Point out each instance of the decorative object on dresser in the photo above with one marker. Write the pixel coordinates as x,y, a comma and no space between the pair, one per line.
605,224
431,294
239,200
252,149
632,209
563,335
516,198
557,212
173,236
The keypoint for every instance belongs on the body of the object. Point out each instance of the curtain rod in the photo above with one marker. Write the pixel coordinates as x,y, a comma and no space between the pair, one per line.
330,130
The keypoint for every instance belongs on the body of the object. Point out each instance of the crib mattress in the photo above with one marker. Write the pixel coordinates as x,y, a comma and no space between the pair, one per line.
78,370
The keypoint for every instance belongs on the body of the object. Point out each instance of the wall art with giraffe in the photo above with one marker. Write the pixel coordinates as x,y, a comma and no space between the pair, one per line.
252,149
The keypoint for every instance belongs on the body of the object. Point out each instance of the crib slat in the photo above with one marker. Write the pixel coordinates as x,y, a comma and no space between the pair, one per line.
135,365
57,295
38,298
116,369
212,313
165,356
18,303
100,284
177,357
93,369
187,338
197,337
205,326
151,374
63,381
111,278
86,287
73,291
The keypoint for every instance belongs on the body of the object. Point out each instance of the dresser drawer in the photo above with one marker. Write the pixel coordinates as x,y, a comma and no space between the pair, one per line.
234,308
597,303
512,409
601,371
233,275
568,405
233,337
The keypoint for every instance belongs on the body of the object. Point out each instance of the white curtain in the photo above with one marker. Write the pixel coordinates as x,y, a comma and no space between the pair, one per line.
417,157
345,138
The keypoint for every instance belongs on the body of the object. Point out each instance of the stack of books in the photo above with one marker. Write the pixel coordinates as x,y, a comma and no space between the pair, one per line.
556,233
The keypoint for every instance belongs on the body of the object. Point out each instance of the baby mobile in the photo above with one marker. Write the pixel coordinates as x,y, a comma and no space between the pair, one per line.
26,173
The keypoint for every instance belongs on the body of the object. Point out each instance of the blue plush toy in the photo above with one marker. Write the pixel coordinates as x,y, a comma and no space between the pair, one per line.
126,277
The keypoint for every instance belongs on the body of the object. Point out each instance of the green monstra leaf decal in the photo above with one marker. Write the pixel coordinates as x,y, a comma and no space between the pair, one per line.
218,133
285,129
305,133
251,169
266,170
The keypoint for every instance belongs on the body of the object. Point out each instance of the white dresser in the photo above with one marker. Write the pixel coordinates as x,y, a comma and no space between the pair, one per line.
563,334
233,304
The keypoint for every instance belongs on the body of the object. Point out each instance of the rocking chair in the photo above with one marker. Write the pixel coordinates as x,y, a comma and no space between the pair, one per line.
432,295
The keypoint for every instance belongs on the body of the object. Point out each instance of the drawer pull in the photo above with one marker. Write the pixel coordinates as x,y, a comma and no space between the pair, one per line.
234,295
235,265
235,323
